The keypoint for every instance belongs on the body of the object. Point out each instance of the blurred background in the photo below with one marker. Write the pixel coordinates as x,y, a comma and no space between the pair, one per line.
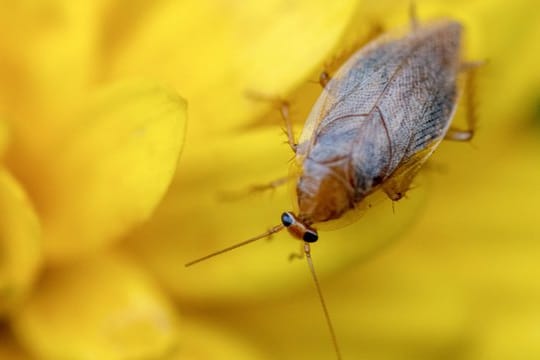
122,124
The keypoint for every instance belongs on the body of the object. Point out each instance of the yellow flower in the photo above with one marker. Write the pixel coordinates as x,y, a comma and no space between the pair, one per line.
96,223
86,157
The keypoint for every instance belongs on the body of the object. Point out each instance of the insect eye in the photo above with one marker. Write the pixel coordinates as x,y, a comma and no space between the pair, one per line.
310,236
287,219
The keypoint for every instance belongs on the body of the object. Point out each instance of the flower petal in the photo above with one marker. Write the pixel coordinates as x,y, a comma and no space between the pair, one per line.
193,221
466,273
216,51
511,336
104,307
380,310
506,38
108,172
206,341
49,57
20,242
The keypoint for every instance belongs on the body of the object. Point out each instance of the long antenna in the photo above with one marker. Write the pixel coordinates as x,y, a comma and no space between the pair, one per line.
307,251
273,230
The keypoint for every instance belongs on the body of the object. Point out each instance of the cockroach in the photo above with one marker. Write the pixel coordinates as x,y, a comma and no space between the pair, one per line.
376,122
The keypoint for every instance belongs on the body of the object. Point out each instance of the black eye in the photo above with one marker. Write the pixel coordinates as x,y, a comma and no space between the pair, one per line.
310,236
286,219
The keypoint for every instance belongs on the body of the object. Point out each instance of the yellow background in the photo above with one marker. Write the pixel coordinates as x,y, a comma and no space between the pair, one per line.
106,189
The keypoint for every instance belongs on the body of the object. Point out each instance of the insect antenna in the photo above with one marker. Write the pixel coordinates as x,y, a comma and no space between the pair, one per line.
307,251
268,233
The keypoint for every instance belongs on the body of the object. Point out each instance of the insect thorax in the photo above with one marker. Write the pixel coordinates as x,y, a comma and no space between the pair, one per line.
324,192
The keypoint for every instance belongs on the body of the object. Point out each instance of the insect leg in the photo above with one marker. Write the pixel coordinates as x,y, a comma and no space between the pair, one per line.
284,107
272,185
456,134
397,185
297,255
471,65
333,64
253,189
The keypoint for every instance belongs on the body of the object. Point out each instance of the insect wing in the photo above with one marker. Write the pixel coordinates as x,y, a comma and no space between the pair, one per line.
365,74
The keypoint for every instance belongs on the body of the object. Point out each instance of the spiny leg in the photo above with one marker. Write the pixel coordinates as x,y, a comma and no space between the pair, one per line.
284,107
454,133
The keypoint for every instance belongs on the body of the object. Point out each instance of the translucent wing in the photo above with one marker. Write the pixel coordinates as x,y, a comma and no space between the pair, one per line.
361,71
401,179
365,81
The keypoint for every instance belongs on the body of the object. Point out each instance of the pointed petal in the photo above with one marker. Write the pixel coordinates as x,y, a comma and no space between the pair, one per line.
108,172
104,307
216,52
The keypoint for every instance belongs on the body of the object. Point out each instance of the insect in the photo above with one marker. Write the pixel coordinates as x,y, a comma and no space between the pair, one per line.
376,122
